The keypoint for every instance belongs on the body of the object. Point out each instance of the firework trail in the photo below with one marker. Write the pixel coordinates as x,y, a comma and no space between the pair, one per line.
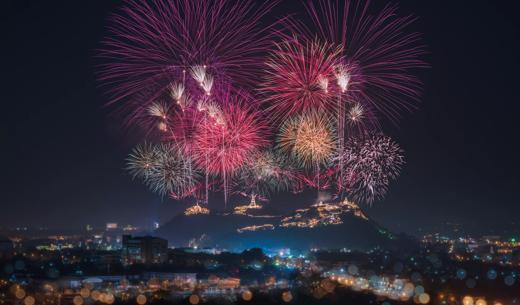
370,164
154,41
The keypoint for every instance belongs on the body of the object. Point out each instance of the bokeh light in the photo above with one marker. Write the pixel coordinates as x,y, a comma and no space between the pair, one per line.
481,302
287,296
141,299
247,295
29,300
77,300
467,300
424,298
84,292
194,299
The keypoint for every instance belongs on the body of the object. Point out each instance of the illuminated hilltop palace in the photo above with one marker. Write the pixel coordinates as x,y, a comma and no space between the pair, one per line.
320,214
242,209
196,210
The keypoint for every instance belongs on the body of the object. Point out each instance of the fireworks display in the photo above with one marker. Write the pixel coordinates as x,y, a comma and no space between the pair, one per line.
370,164
227,138
309,139
297,78
378,53
152,40
235,104
163,167
265,172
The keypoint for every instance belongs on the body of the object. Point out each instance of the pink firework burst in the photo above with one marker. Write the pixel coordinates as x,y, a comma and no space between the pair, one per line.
299,78
229,143
153,41
377,47
228,136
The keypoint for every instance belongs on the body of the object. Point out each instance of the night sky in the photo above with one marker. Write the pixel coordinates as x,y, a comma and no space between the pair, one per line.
63,151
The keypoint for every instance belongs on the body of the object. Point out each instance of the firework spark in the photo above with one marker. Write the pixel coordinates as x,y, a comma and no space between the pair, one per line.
141,160
356,114
342,77
177,91
370,164
198,73
164,168
159,110
265,172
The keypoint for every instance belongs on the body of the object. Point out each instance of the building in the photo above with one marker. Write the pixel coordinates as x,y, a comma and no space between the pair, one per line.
112,226
183,281
144,250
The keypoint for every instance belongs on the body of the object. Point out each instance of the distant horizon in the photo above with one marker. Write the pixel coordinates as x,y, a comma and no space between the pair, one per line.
472,228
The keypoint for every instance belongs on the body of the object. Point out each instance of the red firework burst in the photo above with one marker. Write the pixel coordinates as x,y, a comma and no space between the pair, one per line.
154,41
376,45
224,141
299,78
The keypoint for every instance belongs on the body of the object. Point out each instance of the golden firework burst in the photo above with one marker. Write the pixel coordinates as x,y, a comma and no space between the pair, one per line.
309,138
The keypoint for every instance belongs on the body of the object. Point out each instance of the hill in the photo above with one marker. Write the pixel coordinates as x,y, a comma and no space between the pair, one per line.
323,225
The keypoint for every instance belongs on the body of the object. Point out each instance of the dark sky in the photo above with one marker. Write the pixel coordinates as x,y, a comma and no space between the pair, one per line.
63,153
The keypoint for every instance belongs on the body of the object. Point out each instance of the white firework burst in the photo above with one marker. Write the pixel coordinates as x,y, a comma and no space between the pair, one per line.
207,84
141,161
342,77
164,168
198,73
356,113
324,83
176,91
158,109
370,164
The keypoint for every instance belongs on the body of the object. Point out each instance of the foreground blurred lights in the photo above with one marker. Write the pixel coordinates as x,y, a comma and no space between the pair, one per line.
84,292
20,293
95,295
109,298
102,297
247,295
481,302
424,298
29,300
141,299
509,280
78,300
287,296
467,300
419,290
194,299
